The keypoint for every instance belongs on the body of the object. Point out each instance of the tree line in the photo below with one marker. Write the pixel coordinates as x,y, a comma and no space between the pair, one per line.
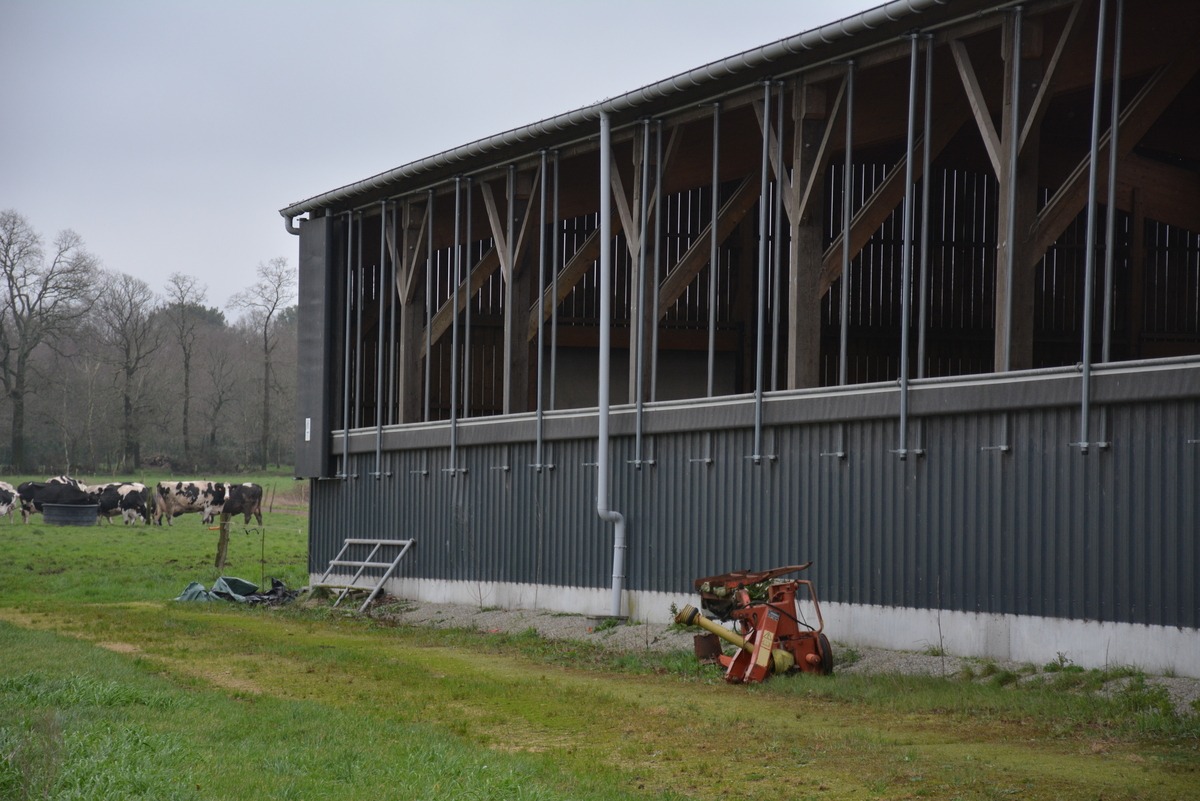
102,373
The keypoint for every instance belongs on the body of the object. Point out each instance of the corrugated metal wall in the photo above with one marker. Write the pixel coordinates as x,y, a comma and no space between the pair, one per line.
1038,530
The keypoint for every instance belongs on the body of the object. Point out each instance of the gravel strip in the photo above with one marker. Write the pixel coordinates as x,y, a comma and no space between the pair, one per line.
1184,692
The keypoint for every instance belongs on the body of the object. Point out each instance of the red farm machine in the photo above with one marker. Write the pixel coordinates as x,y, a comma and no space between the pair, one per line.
771,634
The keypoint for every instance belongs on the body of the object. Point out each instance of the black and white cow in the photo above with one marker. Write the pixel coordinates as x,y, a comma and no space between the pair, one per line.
127,499
227,500
8,499
35,494
174,498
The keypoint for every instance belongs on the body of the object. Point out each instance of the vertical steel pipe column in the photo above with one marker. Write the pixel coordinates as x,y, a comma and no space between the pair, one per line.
457,262
602,500
346,349
554,287
927,172
906,254
394,298
1090,255
640,322
712,250
776,268
541,288
1111,220
428,300
1010,197
658,178
468,263
847,205
763,212
379,343
358,339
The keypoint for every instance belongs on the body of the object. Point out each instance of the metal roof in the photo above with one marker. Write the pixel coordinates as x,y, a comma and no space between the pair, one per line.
709,76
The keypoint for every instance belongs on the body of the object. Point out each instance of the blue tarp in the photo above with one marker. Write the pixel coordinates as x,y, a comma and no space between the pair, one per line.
230,588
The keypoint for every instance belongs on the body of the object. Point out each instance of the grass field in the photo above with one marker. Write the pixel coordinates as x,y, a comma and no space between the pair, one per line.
110,690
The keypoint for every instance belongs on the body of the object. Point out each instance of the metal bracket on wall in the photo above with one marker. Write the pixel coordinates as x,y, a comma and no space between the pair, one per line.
1001,448
838,454
454,471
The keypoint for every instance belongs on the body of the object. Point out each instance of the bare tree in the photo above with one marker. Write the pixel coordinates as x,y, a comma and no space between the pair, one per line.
129,337
183,311
263,302
40,302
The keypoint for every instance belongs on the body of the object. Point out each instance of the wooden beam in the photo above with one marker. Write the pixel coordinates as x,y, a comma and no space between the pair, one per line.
1135,120
499,233
801,208
1052,78
570,275
692,262
889,194
480,273
414,268
979,109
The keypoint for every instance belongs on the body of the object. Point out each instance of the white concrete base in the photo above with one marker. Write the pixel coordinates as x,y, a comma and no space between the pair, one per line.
1158,650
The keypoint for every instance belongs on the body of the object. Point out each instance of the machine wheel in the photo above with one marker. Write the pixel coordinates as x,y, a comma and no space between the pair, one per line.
826,656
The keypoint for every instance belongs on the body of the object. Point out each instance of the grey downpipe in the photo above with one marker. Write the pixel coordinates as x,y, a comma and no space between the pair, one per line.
760,323
658,93
906,256
1090,254
602,500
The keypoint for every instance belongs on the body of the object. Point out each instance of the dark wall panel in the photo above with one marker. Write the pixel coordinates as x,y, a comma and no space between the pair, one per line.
1037,529
313,380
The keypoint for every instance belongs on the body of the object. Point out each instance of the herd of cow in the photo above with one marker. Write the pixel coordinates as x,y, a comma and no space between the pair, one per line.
130,500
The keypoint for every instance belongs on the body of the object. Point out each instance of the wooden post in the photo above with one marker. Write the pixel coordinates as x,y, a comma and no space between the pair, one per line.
1016,342
409,348
222,544
805,256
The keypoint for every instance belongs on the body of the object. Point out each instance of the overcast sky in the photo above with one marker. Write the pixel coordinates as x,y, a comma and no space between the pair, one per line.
168,134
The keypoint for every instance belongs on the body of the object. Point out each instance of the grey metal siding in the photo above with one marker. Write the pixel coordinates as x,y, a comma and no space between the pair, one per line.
1038,530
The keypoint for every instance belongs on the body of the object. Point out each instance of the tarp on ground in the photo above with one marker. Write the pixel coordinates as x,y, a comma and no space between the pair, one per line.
231,588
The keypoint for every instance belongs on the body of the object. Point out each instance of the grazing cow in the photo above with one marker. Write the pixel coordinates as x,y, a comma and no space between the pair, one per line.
174,498
8,499
65,479
227,500
127,499
35,494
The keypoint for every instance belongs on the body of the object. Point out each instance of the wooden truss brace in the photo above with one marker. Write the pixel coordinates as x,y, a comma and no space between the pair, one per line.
978,104
797,209
1135,120
499,234
480,273
580,263
890,193
692,262
487,264
1052,78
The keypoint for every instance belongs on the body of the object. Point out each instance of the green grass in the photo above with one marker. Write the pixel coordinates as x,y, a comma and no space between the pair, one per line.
110,690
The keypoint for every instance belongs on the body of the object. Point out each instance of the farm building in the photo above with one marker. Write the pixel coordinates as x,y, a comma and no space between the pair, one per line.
914,295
